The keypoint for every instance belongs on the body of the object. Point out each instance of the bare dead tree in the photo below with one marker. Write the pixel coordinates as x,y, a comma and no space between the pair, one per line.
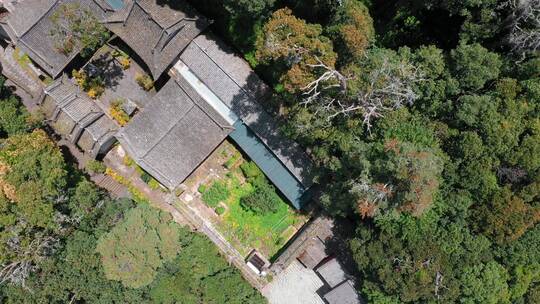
525,26
438,284
17,271
386,88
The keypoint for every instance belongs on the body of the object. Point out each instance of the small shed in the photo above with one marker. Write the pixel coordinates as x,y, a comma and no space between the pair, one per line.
332,272
343,294
314,254
257,262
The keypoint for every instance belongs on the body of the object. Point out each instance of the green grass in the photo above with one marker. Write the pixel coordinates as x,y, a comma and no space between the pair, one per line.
216,193
22,59
246,229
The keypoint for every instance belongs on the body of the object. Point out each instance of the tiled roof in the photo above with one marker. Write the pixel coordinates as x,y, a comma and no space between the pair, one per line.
157,33
332,272
77,117
237,85
343,294
30,27
173,134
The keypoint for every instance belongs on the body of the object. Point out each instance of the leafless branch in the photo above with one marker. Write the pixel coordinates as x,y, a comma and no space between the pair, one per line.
17,271
386,88
525,27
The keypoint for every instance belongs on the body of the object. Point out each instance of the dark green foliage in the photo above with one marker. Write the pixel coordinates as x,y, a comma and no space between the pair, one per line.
95,166
262,200
200,275
474,65
216,193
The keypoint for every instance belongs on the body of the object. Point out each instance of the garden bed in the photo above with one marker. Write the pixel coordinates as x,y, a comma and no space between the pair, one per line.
265,227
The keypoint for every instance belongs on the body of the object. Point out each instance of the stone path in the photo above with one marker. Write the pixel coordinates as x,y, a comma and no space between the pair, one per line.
294,285
17,74
114,188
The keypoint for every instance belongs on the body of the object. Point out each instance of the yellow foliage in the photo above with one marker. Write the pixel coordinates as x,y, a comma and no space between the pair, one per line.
80,77
119,115
125,62
144,81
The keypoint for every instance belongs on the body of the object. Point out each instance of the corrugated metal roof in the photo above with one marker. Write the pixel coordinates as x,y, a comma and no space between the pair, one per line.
276,172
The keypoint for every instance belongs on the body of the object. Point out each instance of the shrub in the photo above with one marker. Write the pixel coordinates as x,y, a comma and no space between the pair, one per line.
250,170
232,161
124,62
95,166
263,200
94,87
202,188
146,177
144,81
220,210
118,113
128,161
218,192
154,184
80,77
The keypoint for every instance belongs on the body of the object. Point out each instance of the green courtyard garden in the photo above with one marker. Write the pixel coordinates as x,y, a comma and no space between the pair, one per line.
251,214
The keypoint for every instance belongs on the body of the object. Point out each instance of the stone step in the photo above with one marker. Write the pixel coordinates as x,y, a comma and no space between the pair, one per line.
112,186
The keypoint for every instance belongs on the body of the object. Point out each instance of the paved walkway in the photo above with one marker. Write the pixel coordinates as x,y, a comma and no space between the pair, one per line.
294,285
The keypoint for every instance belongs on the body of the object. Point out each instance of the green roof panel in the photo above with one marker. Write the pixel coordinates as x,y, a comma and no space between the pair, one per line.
272,167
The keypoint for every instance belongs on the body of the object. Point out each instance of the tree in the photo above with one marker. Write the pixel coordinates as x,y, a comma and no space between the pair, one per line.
485,283
262,200
200,275
296,45
381,82
474,66
507,217
248,9
76,27
412,179
134,250
524,37
352,27
14,118
32,179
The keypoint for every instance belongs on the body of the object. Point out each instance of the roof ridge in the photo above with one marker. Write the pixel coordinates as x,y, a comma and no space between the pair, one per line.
196,103
38,20
220,68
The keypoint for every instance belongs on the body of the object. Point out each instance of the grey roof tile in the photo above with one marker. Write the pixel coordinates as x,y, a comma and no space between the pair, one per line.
157,33
32,25
237,85
343,294
173,134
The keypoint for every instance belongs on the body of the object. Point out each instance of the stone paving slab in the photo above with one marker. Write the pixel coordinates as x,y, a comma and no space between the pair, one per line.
294,285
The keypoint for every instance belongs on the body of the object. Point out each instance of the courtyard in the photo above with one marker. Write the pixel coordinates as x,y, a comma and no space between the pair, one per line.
218,189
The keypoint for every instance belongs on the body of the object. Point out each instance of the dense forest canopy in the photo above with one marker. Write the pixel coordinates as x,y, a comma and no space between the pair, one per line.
424,120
